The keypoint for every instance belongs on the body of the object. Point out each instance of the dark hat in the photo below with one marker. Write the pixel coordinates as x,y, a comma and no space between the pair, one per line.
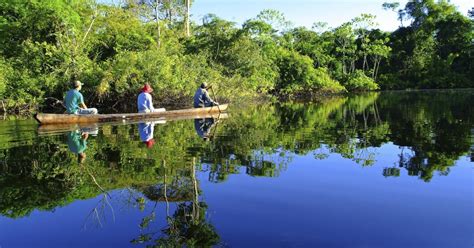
204,85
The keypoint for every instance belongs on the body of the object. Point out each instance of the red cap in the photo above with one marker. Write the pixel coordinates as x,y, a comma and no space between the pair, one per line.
147,88
150,143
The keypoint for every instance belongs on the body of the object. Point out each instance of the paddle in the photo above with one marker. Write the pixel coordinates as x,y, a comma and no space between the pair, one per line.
214,96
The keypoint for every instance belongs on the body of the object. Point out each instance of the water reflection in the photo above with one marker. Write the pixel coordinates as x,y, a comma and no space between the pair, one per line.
146,133
419,135
203,127
188,225
77,143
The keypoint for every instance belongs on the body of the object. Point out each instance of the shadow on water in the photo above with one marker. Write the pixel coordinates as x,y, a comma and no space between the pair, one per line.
158,164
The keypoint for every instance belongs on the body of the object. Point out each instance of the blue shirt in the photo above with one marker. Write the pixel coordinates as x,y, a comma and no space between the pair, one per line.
72,100
145,102
202,99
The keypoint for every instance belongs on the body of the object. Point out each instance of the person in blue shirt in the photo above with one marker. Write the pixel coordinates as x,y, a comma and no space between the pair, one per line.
145,101
74,101
202,98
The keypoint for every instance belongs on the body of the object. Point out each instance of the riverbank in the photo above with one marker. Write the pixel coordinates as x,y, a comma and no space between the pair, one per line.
127,104
124,104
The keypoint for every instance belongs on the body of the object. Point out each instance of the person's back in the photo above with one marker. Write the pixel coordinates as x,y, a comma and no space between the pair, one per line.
144,103
198,98
72,100
202,99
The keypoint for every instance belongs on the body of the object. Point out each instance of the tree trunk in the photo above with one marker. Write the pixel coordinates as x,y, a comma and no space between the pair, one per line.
377,69
343,66
165,191
157,20
188,4
195,214
344,61
376,59
365,62
170,14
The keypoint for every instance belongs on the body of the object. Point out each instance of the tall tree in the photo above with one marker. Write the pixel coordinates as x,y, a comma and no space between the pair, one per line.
188,7
395,8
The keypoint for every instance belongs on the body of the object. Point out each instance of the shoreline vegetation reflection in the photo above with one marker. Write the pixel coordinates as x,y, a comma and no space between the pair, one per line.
431,130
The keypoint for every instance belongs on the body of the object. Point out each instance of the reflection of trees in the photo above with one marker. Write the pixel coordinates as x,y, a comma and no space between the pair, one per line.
98,214
434,127
391,172
46,175
434,130
188,225
472,145
37,178
348,126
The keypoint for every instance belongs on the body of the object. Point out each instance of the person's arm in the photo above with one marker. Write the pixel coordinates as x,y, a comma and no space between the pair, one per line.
207,98
150,102
82,104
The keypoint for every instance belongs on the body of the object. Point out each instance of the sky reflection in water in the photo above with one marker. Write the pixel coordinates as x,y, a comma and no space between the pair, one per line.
374,170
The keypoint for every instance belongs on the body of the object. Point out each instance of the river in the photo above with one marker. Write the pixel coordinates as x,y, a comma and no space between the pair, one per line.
389,169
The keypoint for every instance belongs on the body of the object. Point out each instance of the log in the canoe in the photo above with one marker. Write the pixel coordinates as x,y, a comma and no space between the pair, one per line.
71,118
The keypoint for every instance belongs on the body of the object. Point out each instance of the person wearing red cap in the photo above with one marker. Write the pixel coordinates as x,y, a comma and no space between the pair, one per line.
145,101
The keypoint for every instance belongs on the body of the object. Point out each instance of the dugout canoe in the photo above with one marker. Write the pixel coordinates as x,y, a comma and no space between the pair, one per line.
43,118
61,128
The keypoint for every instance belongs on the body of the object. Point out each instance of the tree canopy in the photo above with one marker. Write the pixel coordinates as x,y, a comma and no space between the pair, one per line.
115,49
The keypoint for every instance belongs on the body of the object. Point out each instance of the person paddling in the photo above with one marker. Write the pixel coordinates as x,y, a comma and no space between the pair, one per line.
74,101
145,101
202,98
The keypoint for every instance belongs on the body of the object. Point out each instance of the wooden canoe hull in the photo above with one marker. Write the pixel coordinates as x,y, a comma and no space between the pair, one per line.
60,128
71,118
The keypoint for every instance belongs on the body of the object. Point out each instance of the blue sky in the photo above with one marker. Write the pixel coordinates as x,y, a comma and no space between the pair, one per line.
306,12
303,12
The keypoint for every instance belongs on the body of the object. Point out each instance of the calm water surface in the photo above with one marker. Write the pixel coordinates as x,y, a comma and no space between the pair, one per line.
391,169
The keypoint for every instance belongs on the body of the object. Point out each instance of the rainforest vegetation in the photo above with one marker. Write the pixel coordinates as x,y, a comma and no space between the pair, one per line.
114,49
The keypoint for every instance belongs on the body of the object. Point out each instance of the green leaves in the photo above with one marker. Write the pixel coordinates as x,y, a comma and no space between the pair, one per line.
433,52
115,49
358,81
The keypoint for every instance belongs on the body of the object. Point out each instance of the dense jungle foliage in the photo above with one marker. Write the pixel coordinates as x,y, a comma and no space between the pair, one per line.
115,49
